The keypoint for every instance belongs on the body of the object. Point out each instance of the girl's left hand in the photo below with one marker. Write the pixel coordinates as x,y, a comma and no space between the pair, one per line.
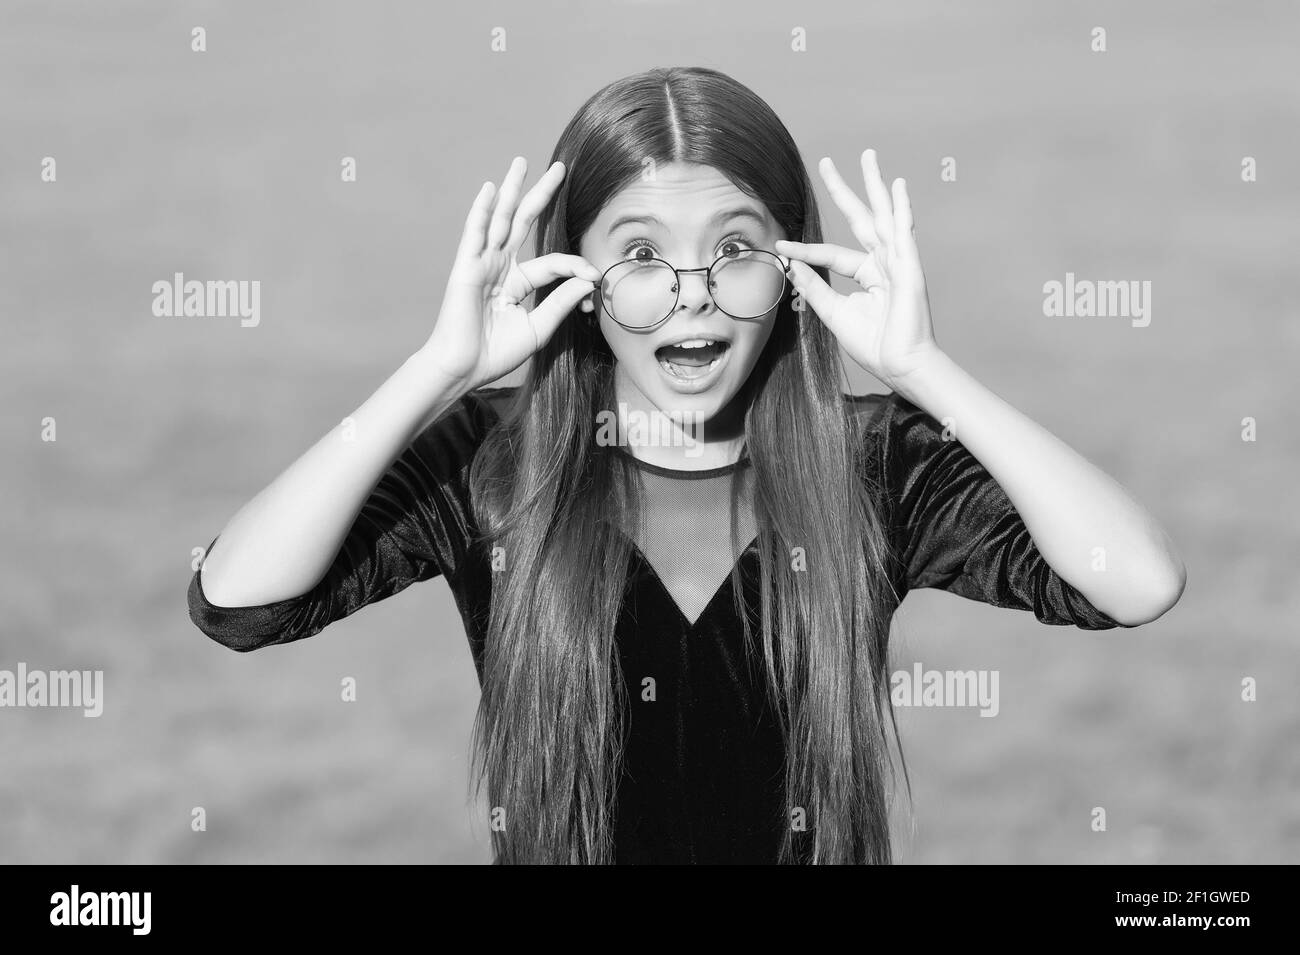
886,326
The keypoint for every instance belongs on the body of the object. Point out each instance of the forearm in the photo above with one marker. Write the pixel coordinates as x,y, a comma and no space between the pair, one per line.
282,542
1087,527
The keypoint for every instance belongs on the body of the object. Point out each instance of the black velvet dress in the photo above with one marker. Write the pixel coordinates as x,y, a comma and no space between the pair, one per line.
703,762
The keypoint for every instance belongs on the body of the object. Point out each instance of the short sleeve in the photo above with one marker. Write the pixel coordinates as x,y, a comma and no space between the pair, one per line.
952,526
416,524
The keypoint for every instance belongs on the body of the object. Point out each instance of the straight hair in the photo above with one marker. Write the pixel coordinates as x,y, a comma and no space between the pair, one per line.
549,727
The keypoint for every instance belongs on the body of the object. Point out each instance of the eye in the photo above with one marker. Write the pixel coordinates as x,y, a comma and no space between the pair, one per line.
644,247
729,246
733,243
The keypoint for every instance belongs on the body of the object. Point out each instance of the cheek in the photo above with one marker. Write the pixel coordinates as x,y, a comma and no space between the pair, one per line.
752,337
631,351
621,342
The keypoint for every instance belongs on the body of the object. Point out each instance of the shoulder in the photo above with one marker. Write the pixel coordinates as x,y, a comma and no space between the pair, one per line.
489,405
476,412
867,411
887,420
452,439
901,447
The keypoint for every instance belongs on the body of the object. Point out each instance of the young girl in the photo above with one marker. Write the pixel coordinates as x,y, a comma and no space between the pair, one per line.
680,631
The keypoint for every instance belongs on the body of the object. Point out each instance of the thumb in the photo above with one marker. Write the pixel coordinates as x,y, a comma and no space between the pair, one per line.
816,292
548,315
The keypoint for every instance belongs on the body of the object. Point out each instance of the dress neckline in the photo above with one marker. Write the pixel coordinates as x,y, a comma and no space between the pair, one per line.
684,474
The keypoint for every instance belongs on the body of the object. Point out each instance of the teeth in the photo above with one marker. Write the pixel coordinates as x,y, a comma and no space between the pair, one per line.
672,370
695,343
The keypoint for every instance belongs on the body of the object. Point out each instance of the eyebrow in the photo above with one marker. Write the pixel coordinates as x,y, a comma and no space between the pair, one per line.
646,218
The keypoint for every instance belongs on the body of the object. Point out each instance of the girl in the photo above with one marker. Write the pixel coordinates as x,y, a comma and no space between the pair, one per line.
681,639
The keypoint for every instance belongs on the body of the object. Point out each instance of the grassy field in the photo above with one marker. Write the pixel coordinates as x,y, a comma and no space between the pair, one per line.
1123,165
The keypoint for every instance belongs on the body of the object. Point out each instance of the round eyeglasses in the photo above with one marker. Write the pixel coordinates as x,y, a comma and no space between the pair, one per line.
642,292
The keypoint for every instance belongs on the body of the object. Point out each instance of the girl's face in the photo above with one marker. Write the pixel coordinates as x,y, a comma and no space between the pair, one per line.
697,360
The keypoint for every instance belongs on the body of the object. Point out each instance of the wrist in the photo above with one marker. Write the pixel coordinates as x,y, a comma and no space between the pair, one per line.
927,374
430,360
438,388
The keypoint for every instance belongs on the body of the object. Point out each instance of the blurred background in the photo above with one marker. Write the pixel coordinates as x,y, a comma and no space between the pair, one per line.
1117,165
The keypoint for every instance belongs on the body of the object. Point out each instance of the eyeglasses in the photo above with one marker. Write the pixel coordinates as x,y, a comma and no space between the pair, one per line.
642,292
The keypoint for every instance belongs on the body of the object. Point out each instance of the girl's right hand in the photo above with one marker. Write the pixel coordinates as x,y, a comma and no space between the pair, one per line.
483,332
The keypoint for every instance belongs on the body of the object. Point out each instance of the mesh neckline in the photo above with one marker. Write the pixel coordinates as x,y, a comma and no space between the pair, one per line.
685,475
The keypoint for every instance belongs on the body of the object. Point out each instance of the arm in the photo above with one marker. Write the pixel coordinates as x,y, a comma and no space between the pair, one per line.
1068,505
417,523
281,543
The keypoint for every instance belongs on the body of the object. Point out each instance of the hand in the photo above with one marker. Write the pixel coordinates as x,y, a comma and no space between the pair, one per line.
886,326
483,332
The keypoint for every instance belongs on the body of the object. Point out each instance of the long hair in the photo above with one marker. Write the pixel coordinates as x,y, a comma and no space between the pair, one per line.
548,733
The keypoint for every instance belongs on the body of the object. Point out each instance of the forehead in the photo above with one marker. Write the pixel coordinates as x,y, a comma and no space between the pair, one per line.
683,196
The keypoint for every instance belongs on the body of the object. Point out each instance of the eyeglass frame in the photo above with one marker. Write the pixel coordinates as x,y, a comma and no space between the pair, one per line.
677,273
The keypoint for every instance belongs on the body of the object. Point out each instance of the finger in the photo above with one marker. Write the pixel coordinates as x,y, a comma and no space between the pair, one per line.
537,273
904,224
861,222
816,293
881,206
532,205
556,307
476,222
850,263
504,212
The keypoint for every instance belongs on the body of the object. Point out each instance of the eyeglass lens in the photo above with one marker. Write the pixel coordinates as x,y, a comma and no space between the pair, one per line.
642,292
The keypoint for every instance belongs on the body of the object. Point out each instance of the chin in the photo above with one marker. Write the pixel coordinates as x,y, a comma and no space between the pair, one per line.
696,373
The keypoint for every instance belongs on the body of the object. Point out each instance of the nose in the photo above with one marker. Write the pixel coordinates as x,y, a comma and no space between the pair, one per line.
693,291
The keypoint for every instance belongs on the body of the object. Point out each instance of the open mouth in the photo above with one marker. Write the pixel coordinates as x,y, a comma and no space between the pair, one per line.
691,359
